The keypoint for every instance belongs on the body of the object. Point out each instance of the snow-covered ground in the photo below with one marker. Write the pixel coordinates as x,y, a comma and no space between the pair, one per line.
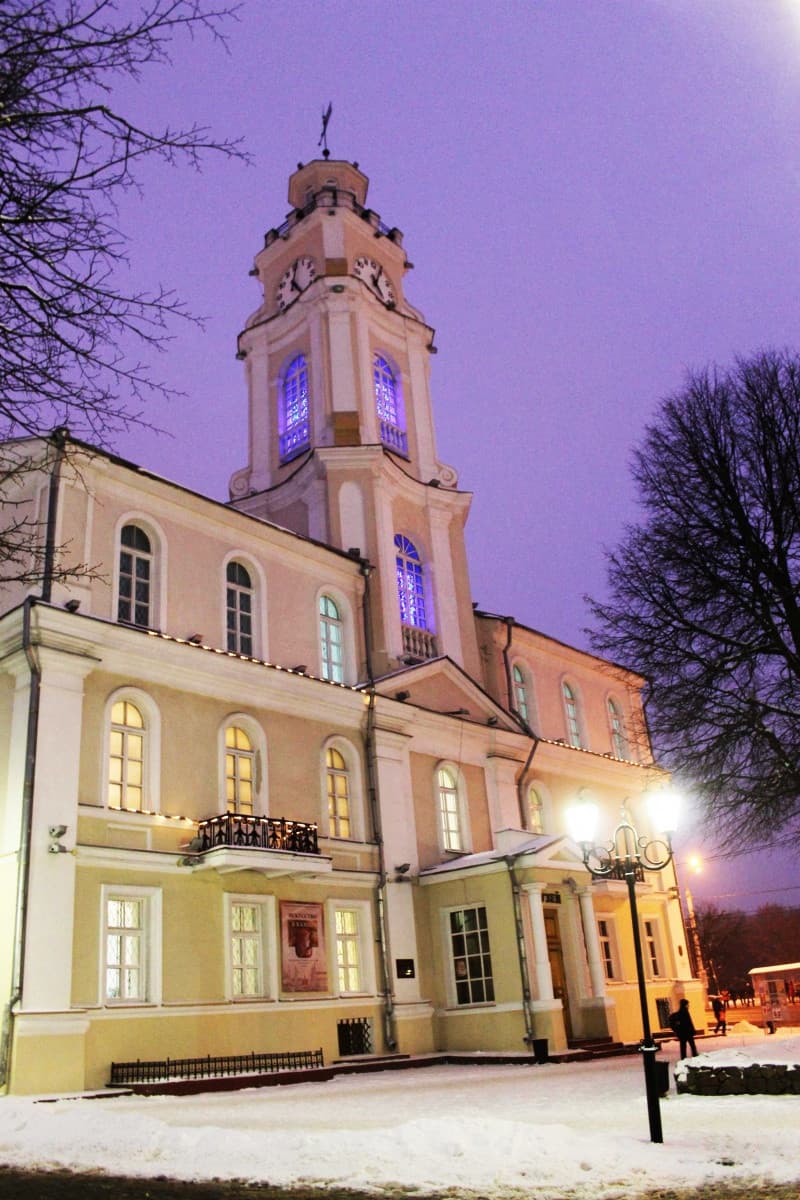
579,1129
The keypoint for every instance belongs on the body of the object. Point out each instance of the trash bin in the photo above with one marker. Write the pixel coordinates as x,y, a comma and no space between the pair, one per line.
662,1075
540,1053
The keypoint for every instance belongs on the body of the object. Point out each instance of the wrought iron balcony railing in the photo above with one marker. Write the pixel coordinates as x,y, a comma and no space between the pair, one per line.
242,831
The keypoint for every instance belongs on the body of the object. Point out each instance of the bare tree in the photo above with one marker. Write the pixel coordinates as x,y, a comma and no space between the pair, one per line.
704,592
74,343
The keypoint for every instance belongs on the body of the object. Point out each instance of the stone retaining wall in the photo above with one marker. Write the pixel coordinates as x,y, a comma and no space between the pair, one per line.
772,1079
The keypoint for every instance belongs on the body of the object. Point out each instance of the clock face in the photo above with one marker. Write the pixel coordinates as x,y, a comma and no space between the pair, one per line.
375,278
294,280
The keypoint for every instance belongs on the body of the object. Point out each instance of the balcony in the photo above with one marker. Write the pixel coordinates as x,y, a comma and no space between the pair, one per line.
394,438
272,845
418,644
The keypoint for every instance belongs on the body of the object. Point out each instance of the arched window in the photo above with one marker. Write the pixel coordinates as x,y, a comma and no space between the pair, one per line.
135,581
339,794
126,757
410,583
239,771
239,608
535,810
451,809
388,404
331,640
295,429
619,743
520,693
571,715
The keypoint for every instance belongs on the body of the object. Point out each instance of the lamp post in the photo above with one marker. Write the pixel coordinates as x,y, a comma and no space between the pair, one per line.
626,856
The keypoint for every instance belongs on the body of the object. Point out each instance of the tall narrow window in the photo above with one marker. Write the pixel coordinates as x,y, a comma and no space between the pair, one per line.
619,743
606,948
331,640
572,717
651,947
134,601
410,583
246,940
520,693
239,773
338,782
471,958
239,608
388,405
348,950
126,750
295,430
450,810
125,945
535,811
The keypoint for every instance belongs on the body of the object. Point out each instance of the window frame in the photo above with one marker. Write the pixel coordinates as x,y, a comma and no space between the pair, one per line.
268,943
451,978
330,670
352,761
413,601
387,397
521,681
158,569
258,741
609,947
460,809
573,715
258,614
653,947
151,764
616,727
237,634
365,941
151,899
535,787
291,444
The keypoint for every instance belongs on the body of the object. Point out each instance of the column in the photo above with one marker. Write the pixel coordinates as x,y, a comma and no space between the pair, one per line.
541,959
591,940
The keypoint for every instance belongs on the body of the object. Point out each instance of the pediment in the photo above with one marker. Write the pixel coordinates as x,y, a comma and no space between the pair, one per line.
441,686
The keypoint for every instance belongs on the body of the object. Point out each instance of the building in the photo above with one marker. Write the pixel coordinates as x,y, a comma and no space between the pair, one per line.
269,782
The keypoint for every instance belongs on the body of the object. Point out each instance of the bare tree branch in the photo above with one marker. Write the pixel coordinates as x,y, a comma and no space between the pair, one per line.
704,591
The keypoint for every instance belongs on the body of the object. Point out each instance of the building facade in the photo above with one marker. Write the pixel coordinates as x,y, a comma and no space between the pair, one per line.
268,780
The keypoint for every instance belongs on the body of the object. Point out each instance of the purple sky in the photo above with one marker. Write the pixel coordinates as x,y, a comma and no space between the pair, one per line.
597,194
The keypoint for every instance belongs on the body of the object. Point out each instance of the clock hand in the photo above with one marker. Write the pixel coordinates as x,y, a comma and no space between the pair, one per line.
295,285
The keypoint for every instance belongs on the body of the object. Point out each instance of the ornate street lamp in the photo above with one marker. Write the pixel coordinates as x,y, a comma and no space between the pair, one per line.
626,857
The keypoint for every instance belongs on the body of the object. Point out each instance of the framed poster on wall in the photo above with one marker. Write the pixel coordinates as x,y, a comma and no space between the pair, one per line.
304,965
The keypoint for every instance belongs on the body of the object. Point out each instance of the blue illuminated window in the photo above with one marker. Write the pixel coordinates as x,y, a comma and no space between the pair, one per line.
389,405
295,432
410,583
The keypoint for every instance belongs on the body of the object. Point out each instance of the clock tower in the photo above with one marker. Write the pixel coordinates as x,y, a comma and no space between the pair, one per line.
341,438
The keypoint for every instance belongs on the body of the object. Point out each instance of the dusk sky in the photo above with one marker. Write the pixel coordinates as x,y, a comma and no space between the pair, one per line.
596,195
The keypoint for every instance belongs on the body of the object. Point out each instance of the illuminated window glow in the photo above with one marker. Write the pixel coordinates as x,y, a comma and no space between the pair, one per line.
410,583
295,430
388,405
331,640
126,749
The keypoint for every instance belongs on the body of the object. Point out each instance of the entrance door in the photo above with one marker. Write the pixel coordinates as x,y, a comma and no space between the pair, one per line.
556,957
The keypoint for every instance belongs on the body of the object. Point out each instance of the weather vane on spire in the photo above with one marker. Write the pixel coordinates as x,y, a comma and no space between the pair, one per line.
323,140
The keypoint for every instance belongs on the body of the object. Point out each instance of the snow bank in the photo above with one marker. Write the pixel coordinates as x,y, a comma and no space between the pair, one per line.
579,1128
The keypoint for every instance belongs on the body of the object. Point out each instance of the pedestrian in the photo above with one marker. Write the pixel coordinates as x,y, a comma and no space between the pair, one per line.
718,1005
680,1022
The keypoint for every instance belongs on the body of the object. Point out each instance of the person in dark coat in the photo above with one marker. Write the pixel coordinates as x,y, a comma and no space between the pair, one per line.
680,1022
718,1005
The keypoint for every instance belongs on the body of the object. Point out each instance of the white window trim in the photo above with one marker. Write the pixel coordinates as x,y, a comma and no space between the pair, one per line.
353,763
260,648
348,632
463,808
567,681
260,775
520,665
658,938
544,797
151,798
449,974
366,942
613,946
158,582
611,698
152,947
269,946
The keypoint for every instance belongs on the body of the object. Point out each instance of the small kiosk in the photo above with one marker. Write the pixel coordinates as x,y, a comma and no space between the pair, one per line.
776,988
